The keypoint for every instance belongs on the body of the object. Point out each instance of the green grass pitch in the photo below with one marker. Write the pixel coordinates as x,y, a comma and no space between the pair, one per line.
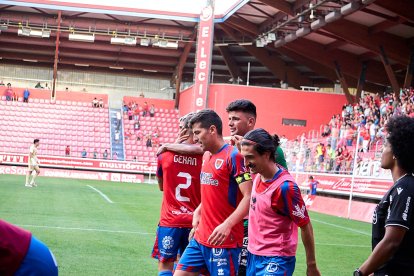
90,236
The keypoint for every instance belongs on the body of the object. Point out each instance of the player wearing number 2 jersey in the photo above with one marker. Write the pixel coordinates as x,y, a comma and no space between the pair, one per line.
179,179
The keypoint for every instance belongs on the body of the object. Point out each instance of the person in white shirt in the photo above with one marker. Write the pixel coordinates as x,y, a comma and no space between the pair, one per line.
33,164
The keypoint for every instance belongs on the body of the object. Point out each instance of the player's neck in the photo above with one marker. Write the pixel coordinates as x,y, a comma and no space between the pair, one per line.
397,173
217,145
269,172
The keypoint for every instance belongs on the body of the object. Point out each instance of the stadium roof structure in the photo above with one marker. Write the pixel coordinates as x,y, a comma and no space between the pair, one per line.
301,42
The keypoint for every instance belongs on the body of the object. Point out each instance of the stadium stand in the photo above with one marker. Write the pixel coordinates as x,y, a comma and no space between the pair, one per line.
167,122
72,123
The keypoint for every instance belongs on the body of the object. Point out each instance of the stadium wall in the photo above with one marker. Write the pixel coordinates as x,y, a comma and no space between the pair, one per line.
273,105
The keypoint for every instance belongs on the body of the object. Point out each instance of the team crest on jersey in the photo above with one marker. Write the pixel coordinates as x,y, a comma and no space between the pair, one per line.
218,163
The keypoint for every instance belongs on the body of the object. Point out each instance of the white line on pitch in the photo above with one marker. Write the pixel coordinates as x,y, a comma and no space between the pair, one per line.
342,227
102,194
85,229
344,245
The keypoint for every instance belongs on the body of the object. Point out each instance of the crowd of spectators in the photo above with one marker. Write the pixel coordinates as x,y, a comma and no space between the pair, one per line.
334,150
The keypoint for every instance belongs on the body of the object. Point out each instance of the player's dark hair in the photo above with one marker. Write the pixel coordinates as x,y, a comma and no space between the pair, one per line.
242,105
187,119
208,118
401,138
262,142
35,141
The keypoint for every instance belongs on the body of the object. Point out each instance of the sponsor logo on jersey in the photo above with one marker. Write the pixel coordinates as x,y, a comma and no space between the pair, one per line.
299,212
399,190
407,207
207,179
220,271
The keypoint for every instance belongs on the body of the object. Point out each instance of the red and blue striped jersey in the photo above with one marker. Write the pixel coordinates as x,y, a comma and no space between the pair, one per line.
221,175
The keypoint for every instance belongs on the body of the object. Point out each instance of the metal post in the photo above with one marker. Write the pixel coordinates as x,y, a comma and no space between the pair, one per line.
248,73
353,173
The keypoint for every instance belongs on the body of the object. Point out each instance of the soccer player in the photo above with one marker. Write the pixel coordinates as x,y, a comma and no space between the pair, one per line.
393,220
22,254
313,185
276,211
242,119
33,163
179,179
225,196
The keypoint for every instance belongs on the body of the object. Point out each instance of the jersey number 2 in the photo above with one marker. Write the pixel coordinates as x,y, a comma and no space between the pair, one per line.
178,195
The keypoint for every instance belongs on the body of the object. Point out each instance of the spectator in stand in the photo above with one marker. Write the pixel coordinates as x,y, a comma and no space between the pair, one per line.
38,85
349,135
339,159
15,98
105,154
142,95
137,125
364,134
117,137
66,89
84,153
125,108
134,159
8,92
130,114
152,111
101,103
47,86
95,102
148,143
145,109
118,120
1,83
95,154
140,135
26,94
136,113
67,150
330,153
334,136
313,185
115,156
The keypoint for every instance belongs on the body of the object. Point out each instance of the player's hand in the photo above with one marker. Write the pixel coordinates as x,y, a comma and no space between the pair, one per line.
312,270
191,234
161,149
219,234
235,140
182,136
182,139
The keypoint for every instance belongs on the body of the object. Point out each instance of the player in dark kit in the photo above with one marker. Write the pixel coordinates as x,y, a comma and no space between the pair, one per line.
393,221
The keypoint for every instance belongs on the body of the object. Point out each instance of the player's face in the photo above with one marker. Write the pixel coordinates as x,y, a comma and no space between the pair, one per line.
202,136
387,161
252,160
37,144
240,123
